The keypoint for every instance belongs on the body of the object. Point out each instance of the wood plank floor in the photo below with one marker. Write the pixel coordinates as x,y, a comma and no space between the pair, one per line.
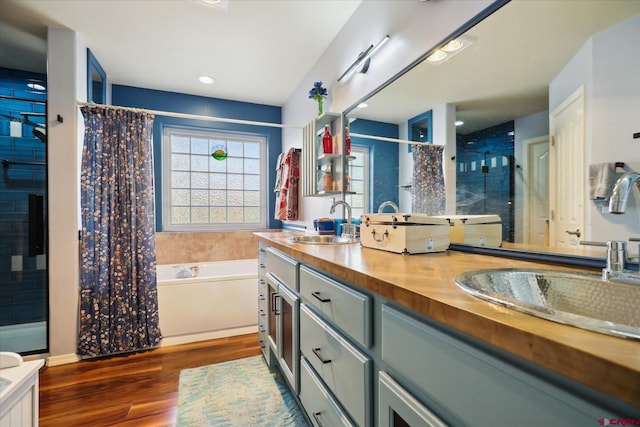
138,389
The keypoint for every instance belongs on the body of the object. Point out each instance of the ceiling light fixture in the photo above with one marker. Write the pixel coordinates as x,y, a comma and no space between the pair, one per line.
364,59
363,105
216,4
450,49
206,80
35,86
459,122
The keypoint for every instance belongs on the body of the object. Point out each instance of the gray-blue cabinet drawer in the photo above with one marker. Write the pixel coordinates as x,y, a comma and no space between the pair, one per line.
321,407
343,368
467,382
283,267
395,404
348,309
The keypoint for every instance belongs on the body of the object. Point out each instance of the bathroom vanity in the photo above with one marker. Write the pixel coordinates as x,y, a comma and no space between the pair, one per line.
19,394
372,338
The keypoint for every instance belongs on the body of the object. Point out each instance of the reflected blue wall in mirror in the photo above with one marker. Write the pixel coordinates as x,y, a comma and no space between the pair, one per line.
383,162
485,175
421,128
96,80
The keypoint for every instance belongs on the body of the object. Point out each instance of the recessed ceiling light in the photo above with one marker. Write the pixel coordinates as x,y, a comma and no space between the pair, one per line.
35,86
436,56
216,4
453,45
459,122
206,80
363,105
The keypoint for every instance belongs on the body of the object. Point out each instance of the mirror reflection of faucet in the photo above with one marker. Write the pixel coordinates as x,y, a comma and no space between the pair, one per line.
621,190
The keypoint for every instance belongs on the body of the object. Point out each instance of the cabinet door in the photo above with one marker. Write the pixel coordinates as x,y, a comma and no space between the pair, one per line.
288,347
263,306
480,389
398,408
273,311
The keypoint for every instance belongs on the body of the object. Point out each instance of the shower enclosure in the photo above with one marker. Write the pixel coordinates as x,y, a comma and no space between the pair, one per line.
485,176
23,207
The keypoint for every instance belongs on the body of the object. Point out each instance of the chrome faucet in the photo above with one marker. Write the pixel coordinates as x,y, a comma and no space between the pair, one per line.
621,190
348,229
616,259
388,203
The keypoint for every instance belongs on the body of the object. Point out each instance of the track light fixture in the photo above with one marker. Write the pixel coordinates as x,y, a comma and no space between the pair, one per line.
362,62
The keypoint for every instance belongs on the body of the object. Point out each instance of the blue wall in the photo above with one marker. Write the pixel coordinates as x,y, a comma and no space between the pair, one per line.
128,96
383,160
23,294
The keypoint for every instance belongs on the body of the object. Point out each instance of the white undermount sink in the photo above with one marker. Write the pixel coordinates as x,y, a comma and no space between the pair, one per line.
577,299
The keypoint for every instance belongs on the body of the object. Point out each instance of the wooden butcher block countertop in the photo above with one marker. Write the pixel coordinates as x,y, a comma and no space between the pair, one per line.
425,284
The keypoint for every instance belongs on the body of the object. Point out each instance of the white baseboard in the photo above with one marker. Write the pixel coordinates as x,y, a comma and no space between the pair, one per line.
63,359
185,339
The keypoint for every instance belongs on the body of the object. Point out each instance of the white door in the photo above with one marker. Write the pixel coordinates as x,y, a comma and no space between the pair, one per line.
567,177
536,191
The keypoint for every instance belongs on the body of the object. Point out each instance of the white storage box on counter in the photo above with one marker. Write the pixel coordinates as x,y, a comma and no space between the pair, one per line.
477,230
404,233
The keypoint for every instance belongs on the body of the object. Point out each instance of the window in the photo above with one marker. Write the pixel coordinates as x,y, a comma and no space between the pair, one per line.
213,180
359,179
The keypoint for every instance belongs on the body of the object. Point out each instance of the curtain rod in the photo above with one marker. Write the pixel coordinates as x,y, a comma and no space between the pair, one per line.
190,116
384,138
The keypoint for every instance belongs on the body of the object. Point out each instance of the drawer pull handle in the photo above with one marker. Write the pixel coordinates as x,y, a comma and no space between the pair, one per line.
317,296
274,304
316,416
316,351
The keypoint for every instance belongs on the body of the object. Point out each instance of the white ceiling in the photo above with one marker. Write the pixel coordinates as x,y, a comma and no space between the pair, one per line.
257,50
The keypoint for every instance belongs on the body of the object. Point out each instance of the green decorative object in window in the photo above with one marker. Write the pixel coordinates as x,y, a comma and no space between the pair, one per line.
219,153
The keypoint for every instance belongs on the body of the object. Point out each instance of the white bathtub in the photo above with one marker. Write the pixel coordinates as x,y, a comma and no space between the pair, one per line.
221,301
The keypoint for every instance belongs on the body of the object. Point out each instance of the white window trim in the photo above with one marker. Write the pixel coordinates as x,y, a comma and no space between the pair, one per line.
166,181
367,175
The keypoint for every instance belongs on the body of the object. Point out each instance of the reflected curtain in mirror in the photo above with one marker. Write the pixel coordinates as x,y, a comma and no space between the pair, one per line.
427,189
118,295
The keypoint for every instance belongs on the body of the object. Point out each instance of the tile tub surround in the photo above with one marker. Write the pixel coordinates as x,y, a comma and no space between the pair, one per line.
185,247
425,283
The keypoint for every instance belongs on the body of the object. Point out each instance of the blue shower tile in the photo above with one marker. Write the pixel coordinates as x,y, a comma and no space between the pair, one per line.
14,105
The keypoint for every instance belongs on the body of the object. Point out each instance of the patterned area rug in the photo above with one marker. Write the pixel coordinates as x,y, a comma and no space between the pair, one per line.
238,393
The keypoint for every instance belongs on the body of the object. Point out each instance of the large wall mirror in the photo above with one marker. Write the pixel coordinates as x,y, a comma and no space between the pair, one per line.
529,76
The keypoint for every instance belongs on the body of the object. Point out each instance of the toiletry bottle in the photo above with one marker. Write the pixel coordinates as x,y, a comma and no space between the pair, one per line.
347,141
327,180
327,140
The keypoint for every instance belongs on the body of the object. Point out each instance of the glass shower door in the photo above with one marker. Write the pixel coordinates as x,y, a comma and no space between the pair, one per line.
23,207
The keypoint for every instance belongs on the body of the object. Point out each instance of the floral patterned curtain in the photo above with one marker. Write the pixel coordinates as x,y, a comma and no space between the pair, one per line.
118,295
427,189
